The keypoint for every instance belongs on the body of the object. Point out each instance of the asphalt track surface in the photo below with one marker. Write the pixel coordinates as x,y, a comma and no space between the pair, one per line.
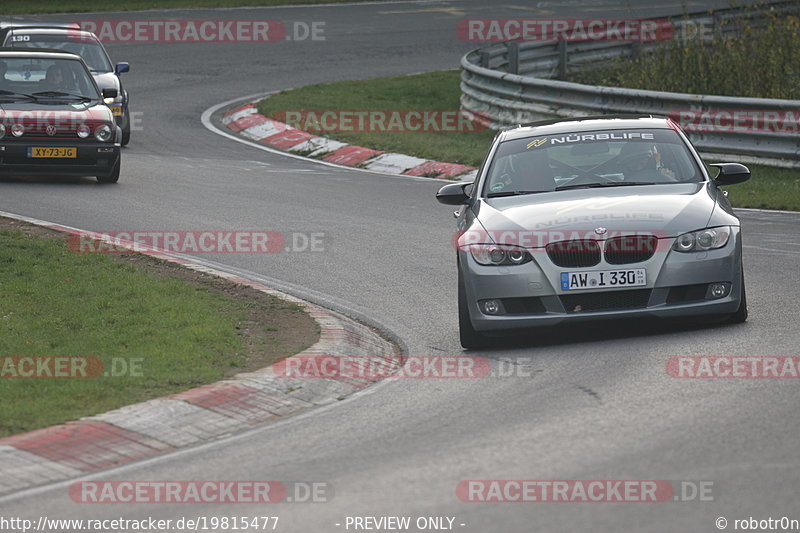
597,402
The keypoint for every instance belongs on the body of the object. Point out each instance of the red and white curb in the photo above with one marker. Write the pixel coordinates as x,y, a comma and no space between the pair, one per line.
247,122
200,414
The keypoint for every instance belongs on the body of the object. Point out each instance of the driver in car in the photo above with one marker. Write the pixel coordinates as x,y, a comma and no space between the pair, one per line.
643,161
55,79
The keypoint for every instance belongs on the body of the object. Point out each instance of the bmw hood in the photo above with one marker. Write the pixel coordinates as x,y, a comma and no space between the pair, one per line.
664,210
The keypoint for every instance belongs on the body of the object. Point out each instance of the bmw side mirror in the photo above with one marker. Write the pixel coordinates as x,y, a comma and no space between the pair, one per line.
110,92
453,194
731,173
119,68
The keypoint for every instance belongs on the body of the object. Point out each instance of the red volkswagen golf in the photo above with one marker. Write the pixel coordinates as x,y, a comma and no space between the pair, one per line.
52,117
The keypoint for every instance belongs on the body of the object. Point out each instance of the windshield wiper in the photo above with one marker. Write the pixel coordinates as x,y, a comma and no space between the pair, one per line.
604,184
510,193
58,94
3,92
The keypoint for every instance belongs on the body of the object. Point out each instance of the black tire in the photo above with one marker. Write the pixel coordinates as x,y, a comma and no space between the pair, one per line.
126,128
740,316
469,337
113,177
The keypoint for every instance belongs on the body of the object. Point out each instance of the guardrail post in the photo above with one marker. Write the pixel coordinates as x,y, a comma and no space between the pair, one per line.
513,57
484,59
562,59
717,27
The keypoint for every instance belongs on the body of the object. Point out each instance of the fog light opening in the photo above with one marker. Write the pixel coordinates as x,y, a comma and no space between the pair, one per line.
718,290
492,307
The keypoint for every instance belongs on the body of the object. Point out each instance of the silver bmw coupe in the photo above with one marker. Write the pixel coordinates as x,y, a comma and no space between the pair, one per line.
595,218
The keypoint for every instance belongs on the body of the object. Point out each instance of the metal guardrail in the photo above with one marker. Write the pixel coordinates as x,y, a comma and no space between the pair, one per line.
506,84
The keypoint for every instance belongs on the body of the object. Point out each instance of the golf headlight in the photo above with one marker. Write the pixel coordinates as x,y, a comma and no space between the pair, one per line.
83,131
700,241
2,130
495,255
103,133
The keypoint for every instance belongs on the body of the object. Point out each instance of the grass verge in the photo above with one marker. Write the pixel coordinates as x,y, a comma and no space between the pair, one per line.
769,188
158,328
432,91
19,7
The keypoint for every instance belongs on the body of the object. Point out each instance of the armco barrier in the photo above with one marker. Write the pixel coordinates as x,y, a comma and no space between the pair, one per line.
506,84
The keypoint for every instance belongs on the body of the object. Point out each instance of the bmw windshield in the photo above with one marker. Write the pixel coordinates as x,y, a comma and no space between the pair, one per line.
605,158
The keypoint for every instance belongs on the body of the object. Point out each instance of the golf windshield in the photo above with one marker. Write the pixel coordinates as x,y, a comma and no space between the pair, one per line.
45,79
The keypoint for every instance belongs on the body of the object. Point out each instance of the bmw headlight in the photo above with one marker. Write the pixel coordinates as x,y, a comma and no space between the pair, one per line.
103,133
496,255
700,241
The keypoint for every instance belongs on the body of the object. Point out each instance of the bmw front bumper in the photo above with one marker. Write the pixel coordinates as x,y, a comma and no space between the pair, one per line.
530,295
